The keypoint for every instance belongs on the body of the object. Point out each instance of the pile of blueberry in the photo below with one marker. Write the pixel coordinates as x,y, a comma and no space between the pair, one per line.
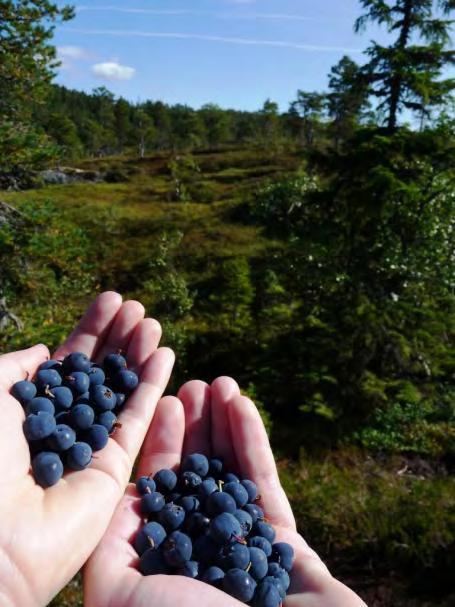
71,408
206,524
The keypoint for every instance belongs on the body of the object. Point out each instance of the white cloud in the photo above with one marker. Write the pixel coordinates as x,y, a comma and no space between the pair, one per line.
72,52
110,70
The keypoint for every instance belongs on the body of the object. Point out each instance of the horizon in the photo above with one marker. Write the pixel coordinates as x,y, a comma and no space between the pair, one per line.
233,53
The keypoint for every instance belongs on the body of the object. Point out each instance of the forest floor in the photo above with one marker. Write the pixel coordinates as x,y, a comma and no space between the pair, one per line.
384,524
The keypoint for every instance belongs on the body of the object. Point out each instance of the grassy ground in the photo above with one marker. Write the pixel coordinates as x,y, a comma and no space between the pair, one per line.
386,526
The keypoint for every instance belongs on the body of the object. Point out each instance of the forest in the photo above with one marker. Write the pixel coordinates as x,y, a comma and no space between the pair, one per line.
307,253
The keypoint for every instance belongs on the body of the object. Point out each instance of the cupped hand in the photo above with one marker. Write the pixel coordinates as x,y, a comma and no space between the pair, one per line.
47,535
214,420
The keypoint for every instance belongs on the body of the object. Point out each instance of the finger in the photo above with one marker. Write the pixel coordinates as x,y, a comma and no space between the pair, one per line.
93,326
253,452
144,342
164,441
135,419
20,365
222,391
195,396
126,320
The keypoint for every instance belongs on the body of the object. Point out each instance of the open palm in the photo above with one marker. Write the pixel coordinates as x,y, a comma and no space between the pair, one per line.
214,420
47,535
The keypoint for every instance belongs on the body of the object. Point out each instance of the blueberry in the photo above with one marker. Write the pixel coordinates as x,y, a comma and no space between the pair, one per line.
257,541
40,403
125,381
166,480
113,363
239,584
177,549
108,419
152,535
196,523
189,482
49,378
81,417
189,569
278,572
38,426
196,462
189,503
62,397
152,563
224,528
213,576
216,467
24,391
56,365
256,513
245,520
265,530
79,456
171,516
96,376
78,382
258,563
220,502
76,361
205,549
97,437
152,503
62,438
233,556
47,468
251,489
145,484
238,492
267,594
206,488
102,397
120,399
283,554
231,478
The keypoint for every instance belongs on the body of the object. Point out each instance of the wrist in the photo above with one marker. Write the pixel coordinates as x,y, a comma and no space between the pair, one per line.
14,587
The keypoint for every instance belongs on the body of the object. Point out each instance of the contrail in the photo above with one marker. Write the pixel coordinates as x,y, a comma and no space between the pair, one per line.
210,38
196,13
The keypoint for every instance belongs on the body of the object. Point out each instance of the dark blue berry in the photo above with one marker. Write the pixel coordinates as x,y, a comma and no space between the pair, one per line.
216,467
62,397
213,576
76,361
152,535
267,593
153,563
283,554
49,378
24,391
225,528
145,484
171,516
108,419
233,556
40,403
166,480
79,456
78,382
258,564
196,462
96,376
152,503
251,489
125,381
103,398
97,437
62,438
238,492
239,584
81,417
265,530
177,549
189,569
220,502
257,541
113,363
38,426
47,468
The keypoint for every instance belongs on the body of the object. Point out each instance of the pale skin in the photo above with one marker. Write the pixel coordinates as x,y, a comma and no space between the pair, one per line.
46,536
214,420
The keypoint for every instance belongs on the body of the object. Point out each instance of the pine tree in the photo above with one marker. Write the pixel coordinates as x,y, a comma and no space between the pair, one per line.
406,75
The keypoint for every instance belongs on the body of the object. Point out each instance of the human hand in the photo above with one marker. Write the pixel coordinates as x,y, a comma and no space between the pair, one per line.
214,420
47,535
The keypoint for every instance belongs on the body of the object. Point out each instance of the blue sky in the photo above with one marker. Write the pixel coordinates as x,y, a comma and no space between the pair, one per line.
236,53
